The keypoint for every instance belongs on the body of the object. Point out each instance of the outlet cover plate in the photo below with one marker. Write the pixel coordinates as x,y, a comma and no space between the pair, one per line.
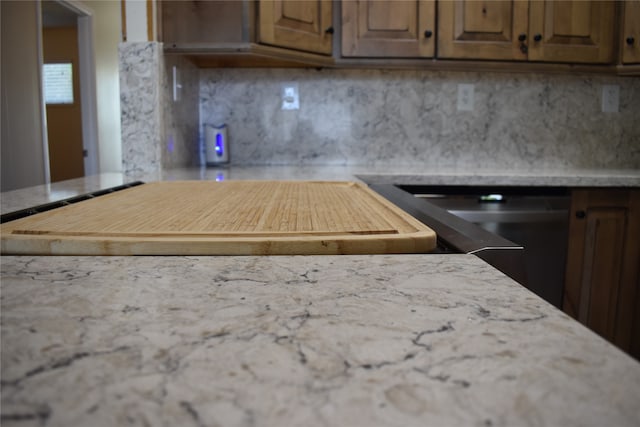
290,97
610,98
466,97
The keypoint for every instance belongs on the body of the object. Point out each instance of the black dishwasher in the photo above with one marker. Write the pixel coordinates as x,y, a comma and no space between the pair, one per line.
535,217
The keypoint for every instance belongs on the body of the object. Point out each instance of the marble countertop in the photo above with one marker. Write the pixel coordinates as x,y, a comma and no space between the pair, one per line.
24,198
394,340
294,340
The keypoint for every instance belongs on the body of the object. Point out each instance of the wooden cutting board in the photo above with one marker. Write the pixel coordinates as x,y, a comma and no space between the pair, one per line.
223,218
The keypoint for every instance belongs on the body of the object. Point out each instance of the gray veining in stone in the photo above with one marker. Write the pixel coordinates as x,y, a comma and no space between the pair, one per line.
410,118
24,198
402,118
317,341
140,102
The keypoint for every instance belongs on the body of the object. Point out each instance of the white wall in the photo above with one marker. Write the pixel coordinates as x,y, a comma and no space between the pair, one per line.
22,128
23,157
136,13
107,31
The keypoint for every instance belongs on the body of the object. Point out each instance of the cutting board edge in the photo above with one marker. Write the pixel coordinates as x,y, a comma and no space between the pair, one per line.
423,241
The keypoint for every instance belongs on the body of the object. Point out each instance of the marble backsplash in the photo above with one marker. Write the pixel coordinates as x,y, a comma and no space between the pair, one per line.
180,146
372,117
140,105
376,117
158,132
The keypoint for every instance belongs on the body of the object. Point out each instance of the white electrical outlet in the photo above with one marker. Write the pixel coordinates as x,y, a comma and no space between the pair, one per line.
610,98
290,97
465,97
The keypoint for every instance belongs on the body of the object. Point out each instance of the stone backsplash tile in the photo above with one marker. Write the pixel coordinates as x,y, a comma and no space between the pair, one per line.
378,117
372,117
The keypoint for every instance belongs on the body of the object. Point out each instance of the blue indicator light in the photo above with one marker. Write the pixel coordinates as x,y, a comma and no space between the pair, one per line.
219,145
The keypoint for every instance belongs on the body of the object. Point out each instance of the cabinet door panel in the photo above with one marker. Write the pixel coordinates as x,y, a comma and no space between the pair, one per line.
298,25
631,32
572,31
602,286
603,251
391,28
482,29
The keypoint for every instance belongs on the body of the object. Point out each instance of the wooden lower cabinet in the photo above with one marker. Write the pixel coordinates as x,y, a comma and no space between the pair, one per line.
602,285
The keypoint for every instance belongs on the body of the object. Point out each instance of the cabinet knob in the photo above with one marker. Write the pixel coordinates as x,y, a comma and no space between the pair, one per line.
523,47
537,37
630,40
428,34
329,30
581,214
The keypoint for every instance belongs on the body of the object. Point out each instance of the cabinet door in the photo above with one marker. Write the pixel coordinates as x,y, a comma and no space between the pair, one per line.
303,25
631,32
390,29
602,287
203,22
488,29
572,31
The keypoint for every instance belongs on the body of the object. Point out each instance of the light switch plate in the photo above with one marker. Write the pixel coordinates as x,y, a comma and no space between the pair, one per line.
610,98
290,97
465,97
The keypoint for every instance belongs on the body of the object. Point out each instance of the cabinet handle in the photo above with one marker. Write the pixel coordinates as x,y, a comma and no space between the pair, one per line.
428,34
630,40
522,37
581,214
537,37
329,30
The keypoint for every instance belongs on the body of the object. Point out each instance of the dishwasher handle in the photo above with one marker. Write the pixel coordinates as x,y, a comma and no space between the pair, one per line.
512,216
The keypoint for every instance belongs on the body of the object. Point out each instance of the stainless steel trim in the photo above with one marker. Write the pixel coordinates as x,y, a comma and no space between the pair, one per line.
510,216
460,234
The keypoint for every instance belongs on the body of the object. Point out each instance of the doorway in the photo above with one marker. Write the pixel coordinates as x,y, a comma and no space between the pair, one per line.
69,91
62,102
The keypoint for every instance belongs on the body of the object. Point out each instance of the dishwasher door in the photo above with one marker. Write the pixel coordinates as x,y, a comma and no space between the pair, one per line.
537,219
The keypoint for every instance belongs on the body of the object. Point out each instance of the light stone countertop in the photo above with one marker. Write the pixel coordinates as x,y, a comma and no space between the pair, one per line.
393,340
24,198
318,340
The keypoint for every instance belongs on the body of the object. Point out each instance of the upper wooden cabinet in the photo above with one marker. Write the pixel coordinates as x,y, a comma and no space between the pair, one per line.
390,29
631,32
572,31
304,25
566,35
576,31
248,32
193,23
473,29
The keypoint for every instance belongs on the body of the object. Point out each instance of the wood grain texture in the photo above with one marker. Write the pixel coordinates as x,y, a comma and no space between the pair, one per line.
389,29
299,25
225,218
572,31
631,29
602,285
482,30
